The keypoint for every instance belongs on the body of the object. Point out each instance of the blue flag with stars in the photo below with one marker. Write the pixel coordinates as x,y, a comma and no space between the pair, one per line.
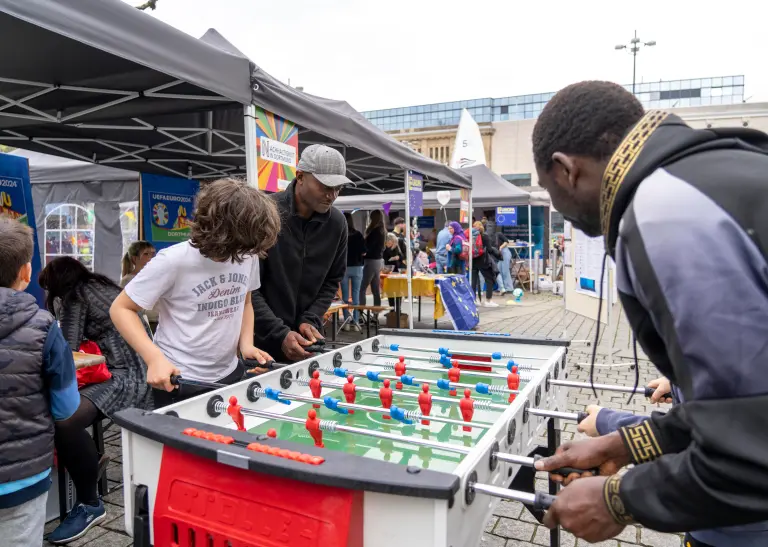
458,302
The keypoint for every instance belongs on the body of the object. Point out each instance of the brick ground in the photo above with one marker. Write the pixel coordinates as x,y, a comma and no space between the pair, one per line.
511,525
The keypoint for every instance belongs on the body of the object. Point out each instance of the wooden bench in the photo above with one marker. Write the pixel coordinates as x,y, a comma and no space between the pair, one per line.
367,311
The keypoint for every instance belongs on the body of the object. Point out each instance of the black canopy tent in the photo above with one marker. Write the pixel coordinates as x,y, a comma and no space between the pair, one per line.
100,81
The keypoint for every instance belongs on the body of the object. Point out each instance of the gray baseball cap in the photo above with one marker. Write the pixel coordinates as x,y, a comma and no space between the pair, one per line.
326,164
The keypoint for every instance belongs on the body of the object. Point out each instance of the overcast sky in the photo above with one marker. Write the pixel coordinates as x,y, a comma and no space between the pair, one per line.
382,54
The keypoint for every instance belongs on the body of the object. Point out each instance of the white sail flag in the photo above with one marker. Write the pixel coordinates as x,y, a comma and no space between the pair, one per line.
468,150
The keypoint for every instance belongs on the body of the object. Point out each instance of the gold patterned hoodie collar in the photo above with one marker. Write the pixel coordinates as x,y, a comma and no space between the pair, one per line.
621,163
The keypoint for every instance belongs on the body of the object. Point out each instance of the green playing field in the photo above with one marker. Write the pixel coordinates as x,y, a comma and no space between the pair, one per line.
388,450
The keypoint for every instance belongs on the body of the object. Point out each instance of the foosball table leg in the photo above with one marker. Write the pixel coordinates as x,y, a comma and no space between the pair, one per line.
141,517
553,441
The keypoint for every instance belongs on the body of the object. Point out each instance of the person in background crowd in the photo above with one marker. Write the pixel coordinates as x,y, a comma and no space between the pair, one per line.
399,230
375,234
504,279
455,249
39,385
138,255
431,241
483,263
393,256
201,289
83,299
442,246
302,272
354,273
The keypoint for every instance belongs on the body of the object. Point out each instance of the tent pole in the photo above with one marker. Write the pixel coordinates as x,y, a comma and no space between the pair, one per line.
409,260
471,243
530,250
249,123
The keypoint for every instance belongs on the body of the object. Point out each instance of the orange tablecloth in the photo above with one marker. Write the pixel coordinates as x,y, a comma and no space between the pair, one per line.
396,286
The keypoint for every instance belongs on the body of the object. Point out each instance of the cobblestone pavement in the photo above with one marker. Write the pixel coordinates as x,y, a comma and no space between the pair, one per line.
511,525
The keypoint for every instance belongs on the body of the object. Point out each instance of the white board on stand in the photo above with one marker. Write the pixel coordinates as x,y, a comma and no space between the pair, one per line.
583,263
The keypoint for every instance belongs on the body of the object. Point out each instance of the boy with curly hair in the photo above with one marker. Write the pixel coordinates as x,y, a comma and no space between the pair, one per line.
202,291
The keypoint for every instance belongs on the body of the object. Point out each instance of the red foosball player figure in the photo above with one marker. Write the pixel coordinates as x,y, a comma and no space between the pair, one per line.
350,390
313,426
316,386
399,371
385,394
425,402
454,373
234,411
513,382
467,406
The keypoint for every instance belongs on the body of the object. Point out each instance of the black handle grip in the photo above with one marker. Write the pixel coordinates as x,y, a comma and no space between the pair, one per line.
180,381
565,471
315,348
253,363
581,416
543,501
651,390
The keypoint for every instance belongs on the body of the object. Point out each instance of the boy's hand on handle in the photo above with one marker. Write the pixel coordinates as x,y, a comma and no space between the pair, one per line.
589,424
308,331
159,374
255,354
607,453
293,346
663,387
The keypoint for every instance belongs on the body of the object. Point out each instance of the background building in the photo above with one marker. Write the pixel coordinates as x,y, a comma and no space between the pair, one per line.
506,123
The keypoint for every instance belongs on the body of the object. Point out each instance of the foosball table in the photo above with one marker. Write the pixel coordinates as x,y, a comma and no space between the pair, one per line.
408,438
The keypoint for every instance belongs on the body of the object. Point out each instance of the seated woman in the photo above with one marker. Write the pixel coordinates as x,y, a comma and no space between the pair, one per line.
393,256
83,300
138,255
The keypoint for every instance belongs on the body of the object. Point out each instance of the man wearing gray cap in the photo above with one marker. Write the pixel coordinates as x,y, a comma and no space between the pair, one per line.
302,272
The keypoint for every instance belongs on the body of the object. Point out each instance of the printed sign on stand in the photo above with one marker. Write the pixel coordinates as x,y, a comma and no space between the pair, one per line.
167,207
277,151
506,216
16,204
464,206
415,194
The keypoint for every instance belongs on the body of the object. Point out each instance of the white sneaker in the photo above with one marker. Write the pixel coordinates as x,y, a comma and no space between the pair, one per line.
491,305
356,327
345,328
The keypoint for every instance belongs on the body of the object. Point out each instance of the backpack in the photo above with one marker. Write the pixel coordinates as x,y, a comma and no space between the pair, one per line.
464,255
478,250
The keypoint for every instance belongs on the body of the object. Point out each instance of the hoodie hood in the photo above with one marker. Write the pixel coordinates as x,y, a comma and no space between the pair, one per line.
657,140
16,309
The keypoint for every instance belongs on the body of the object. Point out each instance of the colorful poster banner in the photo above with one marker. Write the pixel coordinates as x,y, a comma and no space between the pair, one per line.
415,194
464,206
16,203
277,151
506,216
167,207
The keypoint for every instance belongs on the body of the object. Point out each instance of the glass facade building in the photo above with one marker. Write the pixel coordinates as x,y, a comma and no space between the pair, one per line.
664,94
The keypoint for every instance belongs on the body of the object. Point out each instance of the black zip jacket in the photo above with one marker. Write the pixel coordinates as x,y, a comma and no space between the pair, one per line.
374,245
300,275
685,216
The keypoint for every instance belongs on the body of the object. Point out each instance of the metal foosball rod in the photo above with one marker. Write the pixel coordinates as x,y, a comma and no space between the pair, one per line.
390,365
333,426
540,500
577,417
482,388
646,391
446,361
399,414
496,355
411,395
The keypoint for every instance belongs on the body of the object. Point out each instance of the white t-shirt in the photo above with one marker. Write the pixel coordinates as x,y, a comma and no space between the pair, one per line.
200,304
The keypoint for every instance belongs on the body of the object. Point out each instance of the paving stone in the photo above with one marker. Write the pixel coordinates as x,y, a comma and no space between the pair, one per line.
491,524
93,533
117,524
606,543
509,509
542,537
110,539
657,539
628,535
518,543
115,498
514,529
489,540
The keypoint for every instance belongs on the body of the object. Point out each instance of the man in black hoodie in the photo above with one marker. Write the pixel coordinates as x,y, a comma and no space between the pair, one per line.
301,273
684,213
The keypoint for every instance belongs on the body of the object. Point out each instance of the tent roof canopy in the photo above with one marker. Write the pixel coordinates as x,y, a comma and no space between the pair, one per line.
488,190
100,81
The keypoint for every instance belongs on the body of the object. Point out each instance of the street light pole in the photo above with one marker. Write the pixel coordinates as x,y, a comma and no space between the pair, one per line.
634,46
